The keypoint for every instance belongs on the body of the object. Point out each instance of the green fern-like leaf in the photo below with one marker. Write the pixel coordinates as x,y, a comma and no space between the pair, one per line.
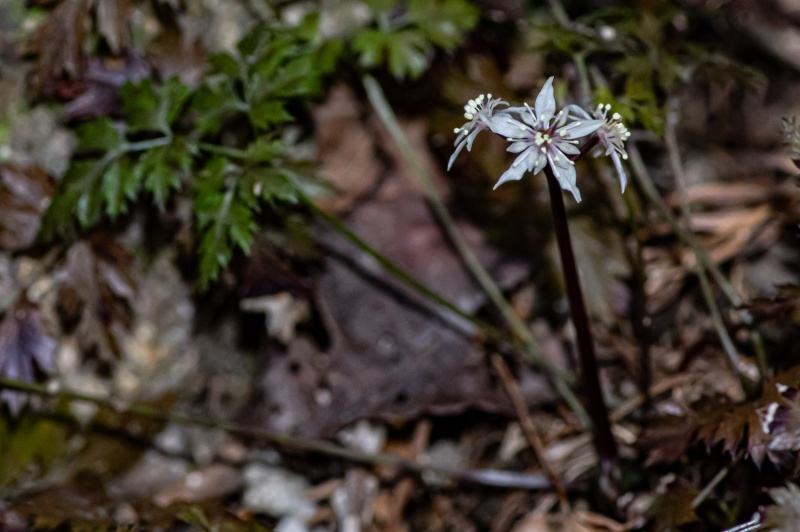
224,218
443,22
160,169
153,109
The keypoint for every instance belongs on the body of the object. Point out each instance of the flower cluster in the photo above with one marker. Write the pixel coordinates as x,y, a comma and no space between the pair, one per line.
541,136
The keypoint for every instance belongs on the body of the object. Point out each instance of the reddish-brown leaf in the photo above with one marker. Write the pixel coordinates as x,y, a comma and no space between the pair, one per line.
730,424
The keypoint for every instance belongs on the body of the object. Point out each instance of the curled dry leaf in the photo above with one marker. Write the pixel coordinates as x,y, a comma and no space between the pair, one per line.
25,193
60,46
96,288
113,18
25,347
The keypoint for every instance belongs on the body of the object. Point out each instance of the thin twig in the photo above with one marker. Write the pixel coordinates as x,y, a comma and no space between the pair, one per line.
533,352
590,372
703,260
560,14
487,477
702,257
751,526
721,474
334,223
676,165
514,393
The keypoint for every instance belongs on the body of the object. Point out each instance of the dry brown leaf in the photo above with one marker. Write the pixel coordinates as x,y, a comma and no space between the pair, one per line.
574,521
113,18
727,194
24,196
60,46
729,424
346,149
25,349
732,231
784,515
212,482
672,508
391,356
96,288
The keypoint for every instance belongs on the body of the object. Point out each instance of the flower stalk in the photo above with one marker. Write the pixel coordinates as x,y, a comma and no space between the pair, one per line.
590,372
550,140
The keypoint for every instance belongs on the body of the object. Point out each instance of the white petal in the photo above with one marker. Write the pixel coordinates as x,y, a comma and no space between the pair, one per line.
623,178
545,105
515,110
566,178
518,146
534,160
577,111
541,162
459,147
514,173
567,147
583,128
505,126
529,118
471,137
522,157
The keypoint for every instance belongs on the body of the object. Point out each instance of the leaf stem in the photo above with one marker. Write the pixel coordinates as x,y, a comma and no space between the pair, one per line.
221,150
598,412
144,145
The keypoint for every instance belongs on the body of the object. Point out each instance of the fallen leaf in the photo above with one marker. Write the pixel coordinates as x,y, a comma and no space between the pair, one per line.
347,149
24,196
96,287
211,482
391,355
784,515
113,23
60,46
25,349
672,508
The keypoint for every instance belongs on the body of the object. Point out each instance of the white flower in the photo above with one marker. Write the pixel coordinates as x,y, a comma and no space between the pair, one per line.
611,136
478,112
543,137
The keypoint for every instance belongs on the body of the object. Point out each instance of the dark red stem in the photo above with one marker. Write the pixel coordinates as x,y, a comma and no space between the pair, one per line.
595,404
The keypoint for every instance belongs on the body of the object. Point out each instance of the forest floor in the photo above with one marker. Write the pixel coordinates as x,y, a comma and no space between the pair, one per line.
354,369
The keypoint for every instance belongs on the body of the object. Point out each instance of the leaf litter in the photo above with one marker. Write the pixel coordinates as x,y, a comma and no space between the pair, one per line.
345,351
